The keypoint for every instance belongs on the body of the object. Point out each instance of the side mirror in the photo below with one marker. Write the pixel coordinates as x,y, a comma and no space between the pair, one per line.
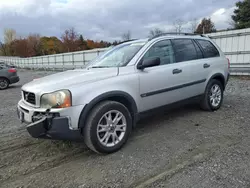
149,63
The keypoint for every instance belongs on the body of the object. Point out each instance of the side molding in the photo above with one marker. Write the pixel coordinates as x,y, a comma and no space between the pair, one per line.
172,88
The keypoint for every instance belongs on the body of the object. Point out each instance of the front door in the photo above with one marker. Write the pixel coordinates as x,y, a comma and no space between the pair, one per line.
156,81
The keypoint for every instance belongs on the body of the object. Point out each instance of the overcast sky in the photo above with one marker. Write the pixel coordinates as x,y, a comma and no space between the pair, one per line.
107,19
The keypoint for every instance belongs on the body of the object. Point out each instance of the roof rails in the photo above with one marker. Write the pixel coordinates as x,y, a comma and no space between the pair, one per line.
130,40
173,33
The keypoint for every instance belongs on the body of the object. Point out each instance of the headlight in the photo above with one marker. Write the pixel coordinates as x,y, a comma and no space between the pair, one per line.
58,99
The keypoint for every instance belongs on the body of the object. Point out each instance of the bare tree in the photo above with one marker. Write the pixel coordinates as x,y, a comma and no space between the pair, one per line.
3,49
9,35
9,39
126,36
155,32
178,24
193,25
34,44
70,40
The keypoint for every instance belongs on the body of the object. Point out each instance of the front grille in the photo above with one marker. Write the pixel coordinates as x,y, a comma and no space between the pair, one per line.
29,97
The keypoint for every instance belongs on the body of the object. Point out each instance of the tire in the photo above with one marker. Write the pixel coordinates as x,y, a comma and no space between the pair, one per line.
208,104
101,114
4,83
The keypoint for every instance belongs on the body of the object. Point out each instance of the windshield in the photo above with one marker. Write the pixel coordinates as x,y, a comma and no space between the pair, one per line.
118,56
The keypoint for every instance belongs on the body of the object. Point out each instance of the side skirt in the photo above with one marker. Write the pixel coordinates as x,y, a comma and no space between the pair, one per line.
175,105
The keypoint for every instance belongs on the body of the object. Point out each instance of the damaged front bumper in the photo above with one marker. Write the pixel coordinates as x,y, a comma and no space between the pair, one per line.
49,126
53,128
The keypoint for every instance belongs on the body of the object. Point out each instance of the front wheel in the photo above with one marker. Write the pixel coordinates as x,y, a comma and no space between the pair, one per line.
213,96
108,127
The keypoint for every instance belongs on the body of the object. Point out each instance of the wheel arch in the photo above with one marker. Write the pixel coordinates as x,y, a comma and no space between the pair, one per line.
5,78
220,77
118,96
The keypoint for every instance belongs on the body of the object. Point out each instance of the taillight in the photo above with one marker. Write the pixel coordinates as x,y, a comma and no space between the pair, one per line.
228,62
12,70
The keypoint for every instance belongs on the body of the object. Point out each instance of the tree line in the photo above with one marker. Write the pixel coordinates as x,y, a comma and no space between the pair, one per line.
35,45
70,40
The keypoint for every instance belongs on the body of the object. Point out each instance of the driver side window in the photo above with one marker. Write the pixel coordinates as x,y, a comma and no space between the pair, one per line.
163,50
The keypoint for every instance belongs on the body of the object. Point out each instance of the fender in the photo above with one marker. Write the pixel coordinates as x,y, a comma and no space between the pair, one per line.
221,76
85,112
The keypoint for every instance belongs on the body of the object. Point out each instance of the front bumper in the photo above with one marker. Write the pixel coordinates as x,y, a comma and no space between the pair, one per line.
49,125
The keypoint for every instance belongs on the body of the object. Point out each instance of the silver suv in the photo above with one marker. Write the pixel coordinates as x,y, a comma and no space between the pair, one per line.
102,103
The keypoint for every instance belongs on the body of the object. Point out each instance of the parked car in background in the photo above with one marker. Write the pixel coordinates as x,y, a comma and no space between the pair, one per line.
2,63
103,102
8,76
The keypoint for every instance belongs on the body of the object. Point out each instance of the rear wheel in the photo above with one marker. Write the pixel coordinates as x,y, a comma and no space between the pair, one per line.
213,96
4,83
108,127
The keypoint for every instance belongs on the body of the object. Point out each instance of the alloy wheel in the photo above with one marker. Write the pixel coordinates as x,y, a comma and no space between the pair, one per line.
3,83
111,128
215,95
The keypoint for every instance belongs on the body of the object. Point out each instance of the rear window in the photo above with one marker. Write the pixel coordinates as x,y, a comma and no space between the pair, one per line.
208,48
184,50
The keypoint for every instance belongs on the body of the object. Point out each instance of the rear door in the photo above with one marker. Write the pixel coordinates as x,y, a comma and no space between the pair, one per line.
212,60
189,60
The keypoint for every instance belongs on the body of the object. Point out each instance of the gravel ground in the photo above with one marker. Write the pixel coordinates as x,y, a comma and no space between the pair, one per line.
185,147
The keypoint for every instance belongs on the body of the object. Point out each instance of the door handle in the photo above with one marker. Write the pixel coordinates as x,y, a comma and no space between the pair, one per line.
177,71
206,65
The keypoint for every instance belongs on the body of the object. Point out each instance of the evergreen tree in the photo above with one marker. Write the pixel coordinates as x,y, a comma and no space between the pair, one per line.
241,15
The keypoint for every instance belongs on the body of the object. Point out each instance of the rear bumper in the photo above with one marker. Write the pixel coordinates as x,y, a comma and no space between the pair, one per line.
14,79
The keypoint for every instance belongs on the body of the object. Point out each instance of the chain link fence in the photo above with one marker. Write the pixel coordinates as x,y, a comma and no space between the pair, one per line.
62,61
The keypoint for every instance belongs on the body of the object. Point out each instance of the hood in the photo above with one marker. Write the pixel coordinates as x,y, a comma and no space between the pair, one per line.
64,80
